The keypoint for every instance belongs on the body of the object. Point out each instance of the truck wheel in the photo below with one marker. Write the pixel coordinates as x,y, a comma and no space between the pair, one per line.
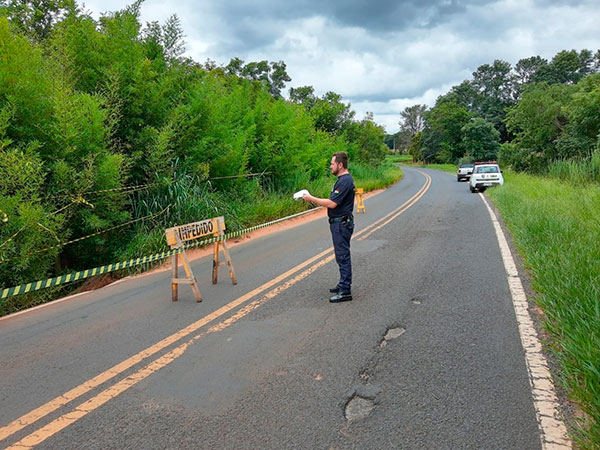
473,190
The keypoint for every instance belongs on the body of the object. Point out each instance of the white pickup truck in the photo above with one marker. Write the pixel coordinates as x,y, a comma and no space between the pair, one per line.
464,171
485,175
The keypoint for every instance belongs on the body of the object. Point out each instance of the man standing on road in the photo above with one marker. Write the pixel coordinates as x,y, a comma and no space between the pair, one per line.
340,206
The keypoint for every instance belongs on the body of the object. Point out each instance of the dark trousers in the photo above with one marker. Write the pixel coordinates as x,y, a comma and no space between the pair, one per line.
341,235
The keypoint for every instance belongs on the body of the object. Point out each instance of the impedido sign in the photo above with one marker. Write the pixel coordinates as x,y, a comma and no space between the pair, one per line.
191,231
176,236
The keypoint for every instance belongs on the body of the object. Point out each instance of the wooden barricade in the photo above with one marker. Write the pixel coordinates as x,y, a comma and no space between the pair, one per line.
176,236
360,205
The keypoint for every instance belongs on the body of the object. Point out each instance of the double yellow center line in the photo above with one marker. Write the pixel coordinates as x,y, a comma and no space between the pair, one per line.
83,409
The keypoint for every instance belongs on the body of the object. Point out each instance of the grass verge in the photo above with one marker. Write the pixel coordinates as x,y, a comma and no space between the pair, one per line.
556,227
274,205
399,158
450,168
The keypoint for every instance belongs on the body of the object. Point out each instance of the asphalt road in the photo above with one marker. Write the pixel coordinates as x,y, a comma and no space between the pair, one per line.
282,367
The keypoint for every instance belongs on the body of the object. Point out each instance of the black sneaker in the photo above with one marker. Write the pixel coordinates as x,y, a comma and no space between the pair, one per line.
341,297
335,290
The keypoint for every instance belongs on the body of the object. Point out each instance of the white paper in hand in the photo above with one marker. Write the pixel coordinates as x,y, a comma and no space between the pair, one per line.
298,195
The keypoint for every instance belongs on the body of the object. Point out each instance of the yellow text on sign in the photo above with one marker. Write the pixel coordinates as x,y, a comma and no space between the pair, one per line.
194,230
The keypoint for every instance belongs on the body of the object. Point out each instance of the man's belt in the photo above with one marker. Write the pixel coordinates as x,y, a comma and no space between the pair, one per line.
344,219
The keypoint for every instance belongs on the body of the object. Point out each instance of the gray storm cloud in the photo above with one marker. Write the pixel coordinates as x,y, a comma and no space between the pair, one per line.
379,55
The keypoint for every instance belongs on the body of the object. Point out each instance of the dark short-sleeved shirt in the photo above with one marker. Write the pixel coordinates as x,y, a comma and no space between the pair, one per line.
342,194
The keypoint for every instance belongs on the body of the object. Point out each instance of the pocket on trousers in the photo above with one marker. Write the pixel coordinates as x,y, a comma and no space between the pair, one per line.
348,229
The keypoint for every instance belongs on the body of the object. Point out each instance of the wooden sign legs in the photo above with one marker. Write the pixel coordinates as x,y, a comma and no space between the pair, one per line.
219,225
191,279
215,273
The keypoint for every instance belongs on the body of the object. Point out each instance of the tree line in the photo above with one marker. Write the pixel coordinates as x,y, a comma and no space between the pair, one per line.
529,116
104,122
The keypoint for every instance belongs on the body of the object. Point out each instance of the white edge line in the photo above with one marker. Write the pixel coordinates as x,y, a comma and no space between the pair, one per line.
553,432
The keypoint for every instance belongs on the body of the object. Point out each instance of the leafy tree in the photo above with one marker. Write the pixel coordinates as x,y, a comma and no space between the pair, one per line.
465,94
211,130
481,140
567,67
257,71
36,18
582,129
152,38
31,225
537,121
80,49
442,138
234,67
330,114
399,141
520,159
278,77
416,147
493,89
26,86
304,95
366,141
412,119
173,38
527,68
164,42
497,90
137,72
271,74
495,81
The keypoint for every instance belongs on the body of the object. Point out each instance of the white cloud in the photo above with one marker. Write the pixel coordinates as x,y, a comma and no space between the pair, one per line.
381,62
388,113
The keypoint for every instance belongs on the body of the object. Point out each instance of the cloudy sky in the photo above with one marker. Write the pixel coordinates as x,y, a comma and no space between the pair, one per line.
380,55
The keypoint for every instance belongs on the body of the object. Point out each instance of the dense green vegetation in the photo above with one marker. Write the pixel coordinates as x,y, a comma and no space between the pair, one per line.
539,116
555,225
103,122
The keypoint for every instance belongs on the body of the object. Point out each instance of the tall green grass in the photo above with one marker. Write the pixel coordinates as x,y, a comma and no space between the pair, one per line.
370,178
275,202
244,204
400,158
556,227
450,168
578,172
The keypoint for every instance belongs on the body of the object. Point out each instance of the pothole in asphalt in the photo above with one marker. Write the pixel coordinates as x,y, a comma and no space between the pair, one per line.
361,401
358,408
392,333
